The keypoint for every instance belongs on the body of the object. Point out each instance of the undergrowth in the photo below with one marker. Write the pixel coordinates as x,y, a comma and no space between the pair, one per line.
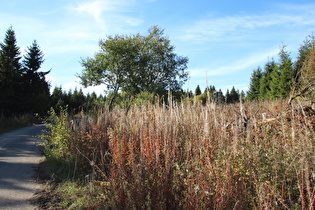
257,155
15,122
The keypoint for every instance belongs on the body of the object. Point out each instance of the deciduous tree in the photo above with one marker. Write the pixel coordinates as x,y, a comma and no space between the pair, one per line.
136,63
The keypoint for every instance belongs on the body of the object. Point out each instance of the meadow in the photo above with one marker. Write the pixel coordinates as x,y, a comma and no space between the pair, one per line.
255,155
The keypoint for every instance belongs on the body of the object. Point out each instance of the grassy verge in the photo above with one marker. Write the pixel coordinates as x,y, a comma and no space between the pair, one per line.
11,123
185,156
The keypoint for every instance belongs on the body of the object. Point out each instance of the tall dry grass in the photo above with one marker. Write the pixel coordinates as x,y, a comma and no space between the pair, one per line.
257,155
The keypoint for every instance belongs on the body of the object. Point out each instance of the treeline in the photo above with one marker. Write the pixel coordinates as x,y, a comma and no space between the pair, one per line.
24,88
217,96
284,77
75,101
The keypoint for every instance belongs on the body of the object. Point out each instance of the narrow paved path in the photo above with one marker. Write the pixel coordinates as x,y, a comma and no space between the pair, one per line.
19,155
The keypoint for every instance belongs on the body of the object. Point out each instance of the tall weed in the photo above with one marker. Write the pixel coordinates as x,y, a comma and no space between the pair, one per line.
257,155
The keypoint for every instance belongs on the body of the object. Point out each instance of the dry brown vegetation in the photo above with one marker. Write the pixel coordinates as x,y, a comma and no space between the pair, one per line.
257,155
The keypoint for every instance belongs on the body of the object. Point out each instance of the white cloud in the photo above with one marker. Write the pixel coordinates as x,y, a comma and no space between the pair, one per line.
75,84
223,28
94,9
105,12
244,63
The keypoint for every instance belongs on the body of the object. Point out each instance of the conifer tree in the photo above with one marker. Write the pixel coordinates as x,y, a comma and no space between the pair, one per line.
218,96
10,75
274,83
305,87
209,91
234,95
228,97
254,87
286,73
77,100
36,87
197,91
265,90
57,99
303,52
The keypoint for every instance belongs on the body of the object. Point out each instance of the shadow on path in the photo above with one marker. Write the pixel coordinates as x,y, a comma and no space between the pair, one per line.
19,156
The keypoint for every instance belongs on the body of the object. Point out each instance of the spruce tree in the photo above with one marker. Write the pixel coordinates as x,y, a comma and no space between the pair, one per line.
228,97
77,100
10,75
197,91
58,99
254,87
34,58
234,95
36,88
265,90
304,51
218,97
274,83
286,73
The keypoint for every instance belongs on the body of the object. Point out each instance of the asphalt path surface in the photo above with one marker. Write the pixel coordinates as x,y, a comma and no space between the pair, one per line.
19,156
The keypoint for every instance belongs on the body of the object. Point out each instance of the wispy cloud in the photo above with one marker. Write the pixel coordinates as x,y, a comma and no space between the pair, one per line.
244,63
222,28
94,9
107,11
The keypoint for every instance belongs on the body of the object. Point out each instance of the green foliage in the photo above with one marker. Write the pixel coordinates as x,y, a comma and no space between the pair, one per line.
254,86
35,87
279,79
60,158
144,98
57,139
23,88
136,63
15,122
274,88
233,96
305,87
286,73
265,89
197,91
202,97
10,75
304,50
281,76
76,101
303,83
218,97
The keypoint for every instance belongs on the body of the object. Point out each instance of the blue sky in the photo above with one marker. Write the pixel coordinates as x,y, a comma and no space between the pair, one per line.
224,40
